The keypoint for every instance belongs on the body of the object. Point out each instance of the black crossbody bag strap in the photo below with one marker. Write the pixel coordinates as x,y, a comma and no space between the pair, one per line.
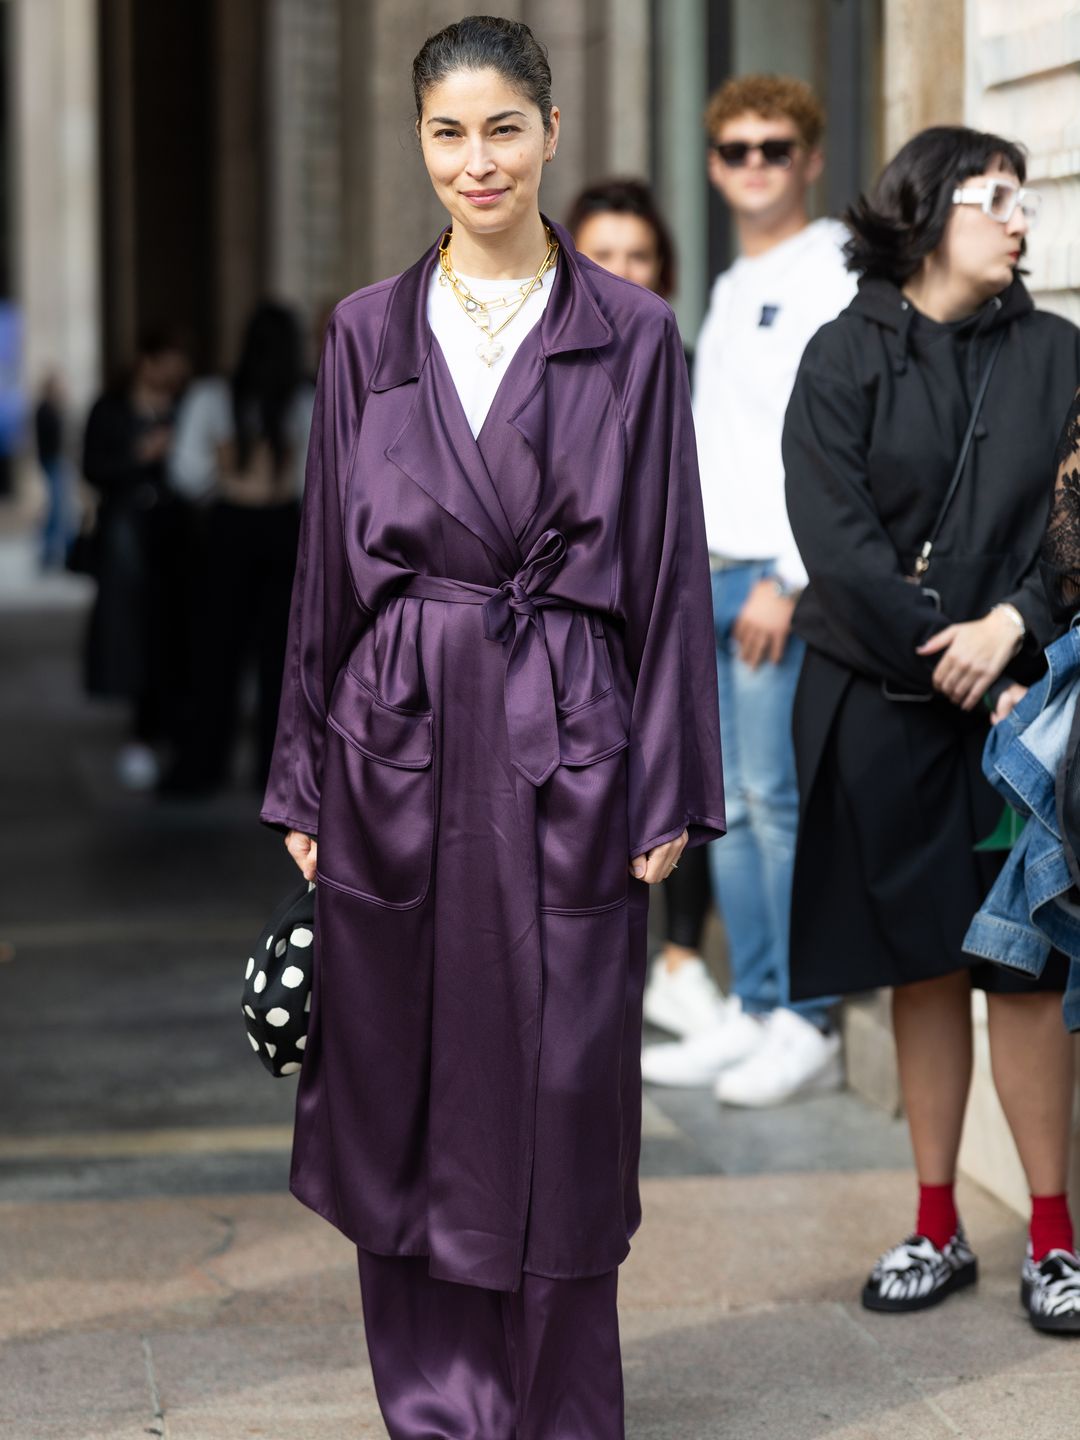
922,564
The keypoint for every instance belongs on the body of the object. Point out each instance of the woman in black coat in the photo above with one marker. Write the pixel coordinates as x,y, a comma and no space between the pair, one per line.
889,716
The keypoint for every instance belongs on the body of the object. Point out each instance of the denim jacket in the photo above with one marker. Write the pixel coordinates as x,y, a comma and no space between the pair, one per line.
1028,911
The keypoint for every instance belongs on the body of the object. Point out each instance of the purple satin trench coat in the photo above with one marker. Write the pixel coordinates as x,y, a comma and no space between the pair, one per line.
500,685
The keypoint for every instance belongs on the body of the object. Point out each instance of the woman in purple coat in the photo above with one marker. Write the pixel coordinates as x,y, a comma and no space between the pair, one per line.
499,728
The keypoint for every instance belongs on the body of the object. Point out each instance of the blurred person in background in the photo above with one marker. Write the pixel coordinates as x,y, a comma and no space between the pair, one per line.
500,728
764,134
239,450
906,634
57,526
135,640
616,224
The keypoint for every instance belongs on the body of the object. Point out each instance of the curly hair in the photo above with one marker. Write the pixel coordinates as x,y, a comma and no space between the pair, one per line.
903,219
772,97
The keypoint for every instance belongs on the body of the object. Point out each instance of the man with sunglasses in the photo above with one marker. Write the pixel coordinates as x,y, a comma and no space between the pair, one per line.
764,134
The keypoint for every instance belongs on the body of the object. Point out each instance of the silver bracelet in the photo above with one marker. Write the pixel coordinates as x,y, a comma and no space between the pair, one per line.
1014,615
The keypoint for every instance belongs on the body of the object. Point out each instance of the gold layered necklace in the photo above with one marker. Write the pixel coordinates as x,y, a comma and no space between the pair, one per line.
482,312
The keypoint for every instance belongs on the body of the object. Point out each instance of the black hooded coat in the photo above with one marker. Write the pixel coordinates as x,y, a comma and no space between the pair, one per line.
892,798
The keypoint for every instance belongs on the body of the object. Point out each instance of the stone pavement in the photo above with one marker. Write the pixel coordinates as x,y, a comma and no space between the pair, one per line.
156,1279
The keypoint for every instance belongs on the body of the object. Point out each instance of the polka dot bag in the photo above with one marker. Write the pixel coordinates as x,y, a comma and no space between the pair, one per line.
277,984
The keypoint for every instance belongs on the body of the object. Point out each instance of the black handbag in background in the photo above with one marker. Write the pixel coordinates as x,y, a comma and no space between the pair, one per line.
277,984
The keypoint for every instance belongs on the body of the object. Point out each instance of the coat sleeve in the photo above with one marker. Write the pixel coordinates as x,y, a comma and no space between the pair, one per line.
675,774
859,607
1031,599
326,617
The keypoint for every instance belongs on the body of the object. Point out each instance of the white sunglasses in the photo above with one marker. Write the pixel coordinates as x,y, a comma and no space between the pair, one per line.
999,199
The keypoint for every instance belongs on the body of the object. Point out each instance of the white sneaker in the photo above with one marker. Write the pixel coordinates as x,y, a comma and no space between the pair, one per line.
137,767
684,1001
699,1059
794,1058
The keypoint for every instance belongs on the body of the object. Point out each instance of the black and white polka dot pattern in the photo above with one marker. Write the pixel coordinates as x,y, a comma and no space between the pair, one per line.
277,984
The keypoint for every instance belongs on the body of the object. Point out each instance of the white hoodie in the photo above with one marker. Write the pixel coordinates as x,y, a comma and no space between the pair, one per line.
762,312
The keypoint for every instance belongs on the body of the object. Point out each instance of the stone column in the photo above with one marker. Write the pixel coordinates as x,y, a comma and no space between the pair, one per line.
241,239
681,78
626,121
56,210
923,72
359,219
119,306
304,116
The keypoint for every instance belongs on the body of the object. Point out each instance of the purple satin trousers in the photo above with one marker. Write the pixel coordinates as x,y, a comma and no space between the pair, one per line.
456,1362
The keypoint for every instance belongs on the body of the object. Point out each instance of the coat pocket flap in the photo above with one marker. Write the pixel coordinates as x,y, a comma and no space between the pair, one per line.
377,730
592,731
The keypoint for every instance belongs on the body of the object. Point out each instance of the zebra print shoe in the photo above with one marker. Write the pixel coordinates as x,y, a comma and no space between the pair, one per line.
916,1274
1050,1291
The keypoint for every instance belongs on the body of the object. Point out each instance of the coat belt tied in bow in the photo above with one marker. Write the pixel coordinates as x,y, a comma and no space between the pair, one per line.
511,618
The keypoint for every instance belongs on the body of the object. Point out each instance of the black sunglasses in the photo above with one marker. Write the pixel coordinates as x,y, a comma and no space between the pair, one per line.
773,152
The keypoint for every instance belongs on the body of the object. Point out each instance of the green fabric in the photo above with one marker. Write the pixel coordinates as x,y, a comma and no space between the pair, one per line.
1005,833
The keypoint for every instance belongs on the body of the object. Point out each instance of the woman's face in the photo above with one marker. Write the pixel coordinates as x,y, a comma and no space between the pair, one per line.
624,244
979,249
484,146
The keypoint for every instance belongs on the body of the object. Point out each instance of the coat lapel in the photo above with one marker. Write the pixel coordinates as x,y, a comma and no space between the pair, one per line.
572,321
436,452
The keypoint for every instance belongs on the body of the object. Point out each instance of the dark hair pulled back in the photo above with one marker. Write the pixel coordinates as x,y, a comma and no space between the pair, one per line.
627,196
903,220
486,42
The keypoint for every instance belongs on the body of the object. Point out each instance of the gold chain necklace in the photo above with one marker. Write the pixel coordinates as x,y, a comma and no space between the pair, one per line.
479,311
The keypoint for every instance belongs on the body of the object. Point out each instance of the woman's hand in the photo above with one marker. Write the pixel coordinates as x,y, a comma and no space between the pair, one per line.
973,655
304,850
658,864
1007,701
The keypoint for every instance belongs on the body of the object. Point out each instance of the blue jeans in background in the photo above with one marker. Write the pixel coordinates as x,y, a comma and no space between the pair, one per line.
752,866
58,527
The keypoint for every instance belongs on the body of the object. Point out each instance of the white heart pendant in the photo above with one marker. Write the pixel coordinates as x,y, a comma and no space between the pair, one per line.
489,351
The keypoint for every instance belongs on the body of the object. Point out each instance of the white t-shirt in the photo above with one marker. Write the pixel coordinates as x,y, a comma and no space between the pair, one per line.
458,336
762,312
205,423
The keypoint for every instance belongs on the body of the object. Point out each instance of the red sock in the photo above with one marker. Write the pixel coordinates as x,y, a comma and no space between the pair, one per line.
937,1214
1051,1225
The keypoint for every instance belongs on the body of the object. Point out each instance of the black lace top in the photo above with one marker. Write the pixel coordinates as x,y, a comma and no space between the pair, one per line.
1060,557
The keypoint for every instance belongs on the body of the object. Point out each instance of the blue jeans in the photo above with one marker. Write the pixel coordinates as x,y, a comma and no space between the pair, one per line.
57,530
752,866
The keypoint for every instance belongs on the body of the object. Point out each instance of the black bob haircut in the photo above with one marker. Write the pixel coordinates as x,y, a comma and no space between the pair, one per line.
903,220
